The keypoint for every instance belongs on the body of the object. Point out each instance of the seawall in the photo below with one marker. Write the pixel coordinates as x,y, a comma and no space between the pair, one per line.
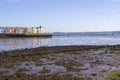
24,35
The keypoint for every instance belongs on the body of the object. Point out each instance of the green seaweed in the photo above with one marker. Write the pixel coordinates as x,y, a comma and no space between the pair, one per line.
113,75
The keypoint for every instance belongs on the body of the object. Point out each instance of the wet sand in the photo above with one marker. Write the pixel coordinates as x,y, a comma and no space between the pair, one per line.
60,63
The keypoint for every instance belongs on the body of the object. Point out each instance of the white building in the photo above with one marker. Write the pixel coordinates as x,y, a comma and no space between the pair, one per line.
40,30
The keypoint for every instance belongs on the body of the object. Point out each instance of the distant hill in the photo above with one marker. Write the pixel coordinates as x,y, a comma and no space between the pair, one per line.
110,33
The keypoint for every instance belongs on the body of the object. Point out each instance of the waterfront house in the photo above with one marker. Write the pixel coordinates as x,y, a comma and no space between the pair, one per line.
19,30
25,30
22,30
30,30
10,30
35,30
2,29
40,30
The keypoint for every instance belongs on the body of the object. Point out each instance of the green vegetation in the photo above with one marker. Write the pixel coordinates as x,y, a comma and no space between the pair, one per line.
114,75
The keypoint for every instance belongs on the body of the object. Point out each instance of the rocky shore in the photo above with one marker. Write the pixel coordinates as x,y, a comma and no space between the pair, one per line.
60,63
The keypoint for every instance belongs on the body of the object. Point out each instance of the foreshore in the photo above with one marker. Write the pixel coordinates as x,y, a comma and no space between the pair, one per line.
60,63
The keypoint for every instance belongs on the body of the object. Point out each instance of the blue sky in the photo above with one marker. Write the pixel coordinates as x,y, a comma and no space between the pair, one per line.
62,15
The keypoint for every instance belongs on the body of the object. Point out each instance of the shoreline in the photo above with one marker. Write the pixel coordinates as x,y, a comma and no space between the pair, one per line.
62,47
69,62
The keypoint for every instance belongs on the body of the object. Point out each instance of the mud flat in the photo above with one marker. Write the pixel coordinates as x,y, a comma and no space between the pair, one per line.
60,63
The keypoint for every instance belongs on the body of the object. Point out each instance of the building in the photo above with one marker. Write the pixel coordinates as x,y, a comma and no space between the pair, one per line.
22,30
19,30
10,30
34,30
2,29
30,30
40,30
25,30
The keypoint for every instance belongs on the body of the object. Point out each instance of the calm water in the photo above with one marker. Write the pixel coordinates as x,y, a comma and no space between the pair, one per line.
20,43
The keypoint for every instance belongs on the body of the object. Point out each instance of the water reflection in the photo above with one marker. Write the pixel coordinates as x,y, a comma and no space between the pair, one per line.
18,43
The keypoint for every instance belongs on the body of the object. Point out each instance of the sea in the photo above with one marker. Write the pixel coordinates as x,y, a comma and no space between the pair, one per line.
62,39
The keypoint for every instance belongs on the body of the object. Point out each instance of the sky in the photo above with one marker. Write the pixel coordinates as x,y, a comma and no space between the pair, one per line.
62,15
